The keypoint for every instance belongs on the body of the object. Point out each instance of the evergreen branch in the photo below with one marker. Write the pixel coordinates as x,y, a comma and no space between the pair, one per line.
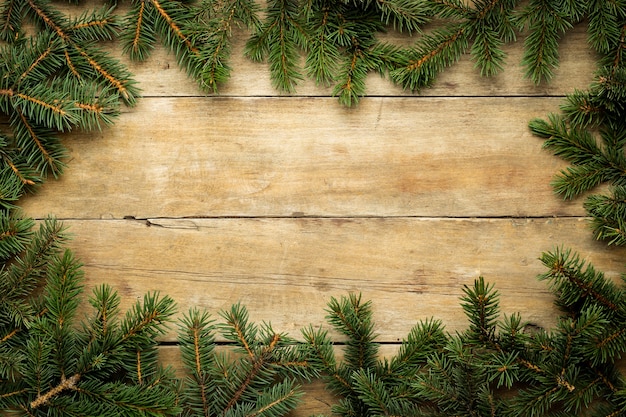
61,300
45,54
23,276
215,70
139,37
609,216
604,27
577,146
212,34
451,9
257,364
106,302
373,391
122,85
197,348
442,47
435,52
12,185
545,24
582,109
100,25
405,15
577,179
574,282
424,339
18,173
15,234
48,19
70,65
278,39
353,318
65,384
174,27
27,136
481,305
11,20
352,79
238,329
147,319
323,53
620,49
281,399
60,116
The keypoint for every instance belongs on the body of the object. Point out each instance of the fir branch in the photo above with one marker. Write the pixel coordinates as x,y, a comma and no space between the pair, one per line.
65,384
47,154
95,26
280,400
197,345
147,320
592,165
257,364
481,305
111,72
353,318
213,33
15,234
278,40
435,52
546,22
23,275
604,24
609,215
424,339
321,61
11,14
48,17
238,330
405,15
574,282
351,80
139,42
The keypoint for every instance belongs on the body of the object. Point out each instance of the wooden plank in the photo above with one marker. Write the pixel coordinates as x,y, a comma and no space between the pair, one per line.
161,76
286,270
182,157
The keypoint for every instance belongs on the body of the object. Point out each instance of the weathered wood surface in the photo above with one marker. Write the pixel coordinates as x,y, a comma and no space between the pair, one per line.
286,269
282,202
438,157
160,76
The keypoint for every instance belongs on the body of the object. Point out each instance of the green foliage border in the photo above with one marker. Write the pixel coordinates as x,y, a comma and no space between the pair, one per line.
589,134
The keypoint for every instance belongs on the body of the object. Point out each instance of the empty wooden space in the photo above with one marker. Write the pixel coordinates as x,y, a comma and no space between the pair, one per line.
282,202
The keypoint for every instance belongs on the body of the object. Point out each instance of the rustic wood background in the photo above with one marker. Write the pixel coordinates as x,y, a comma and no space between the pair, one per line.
281,202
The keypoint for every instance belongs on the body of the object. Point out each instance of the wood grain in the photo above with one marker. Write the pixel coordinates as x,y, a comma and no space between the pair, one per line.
198,157
282,202
286,270
160,76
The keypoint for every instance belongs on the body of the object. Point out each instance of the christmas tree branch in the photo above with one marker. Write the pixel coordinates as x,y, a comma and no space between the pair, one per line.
65,384
174,27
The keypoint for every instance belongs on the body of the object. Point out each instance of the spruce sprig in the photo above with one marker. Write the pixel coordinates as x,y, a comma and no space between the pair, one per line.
278,39
499,365
51,82
53,365
486,26
590,135
213,30
366,385
256,374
